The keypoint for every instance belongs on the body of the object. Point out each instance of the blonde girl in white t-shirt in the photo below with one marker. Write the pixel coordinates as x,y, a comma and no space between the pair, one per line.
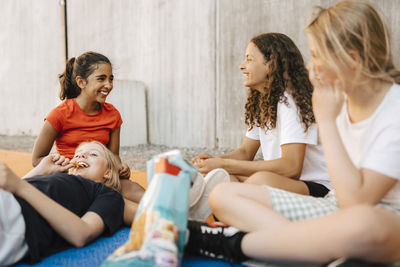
356,104
280,120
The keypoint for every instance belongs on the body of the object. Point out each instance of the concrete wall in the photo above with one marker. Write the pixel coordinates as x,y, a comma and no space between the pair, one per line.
170,46
130,98
31,56
186,52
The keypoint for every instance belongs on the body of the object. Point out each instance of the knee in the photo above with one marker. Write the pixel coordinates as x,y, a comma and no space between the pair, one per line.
365,229
261,178
220,195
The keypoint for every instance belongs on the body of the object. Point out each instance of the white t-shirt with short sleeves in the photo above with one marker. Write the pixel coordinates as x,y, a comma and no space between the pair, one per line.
289,129
374,143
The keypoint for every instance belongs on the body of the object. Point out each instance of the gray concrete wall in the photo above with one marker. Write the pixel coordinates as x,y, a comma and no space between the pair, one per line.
130,98
238,21
31,57
170,46
185,52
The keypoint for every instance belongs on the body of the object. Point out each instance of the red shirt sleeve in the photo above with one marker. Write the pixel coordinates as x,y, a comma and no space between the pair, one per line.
56,118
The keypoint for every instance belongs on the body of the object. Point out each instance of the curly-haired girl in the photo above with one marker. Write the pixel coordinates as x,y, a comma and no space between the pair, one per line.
355,101
279,117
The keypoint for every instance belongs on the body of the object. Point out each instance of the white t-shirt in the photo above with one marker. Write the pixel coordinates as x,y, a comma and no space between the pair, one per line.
374,143
289,129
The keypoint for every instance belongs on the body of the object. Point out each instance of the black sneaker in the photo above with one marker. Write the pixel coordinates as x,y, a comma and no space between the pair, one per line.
215,241
342,262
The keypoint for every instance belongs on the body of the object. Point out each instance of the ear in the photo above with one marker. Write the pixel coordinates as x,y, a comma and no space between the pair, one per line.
108,174
355,55
80,82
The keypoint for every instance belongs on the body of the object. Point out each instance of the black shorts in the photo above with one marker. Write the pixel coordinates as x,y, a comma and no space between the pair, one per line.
315,189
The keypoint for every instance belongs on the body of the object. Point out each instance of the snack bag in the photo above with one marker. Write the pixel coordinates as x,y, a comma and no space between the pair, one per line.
158,232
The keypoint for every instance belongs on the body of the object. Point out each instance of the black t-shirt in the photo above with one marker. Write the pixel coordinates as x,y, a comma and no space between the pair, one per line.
78,195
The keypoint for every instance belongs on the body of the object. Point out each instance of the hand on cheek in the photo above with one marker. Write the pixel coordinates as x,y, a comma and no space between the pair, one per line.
327,100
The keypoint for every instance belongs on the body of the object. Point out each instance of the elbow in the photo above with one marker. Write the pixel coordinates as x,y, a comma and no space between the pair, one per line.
291,167
295,171
35,162
79,243
296,174
81,240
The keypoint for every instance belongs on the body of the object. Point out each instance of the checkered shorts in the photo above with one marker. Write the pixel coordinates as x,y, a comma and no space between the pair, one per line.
297,207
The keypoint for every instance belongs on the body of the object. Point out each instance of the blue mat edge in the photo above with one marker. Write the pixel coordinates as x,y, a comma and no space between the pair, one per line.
97,252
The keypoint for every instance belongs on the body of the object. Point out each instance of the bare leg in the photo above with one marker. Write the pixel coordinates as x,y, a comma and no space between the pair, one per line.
233,178
246,207
361,232
131,190
278,181
238,178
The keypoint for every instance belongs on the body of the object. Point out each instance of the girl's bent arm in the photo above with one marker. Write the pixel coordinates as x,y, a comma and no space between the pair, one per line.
77,231
290,164
43,143
352,186
113,144
130,209
247,150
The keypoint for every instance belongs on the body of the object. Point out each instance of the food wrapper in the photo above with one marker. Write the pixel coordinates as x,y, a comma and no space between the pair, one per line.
158,232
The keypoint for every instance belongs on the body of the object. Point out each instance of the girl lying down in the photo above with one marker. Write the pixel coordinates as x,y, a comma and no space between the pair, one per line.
51,210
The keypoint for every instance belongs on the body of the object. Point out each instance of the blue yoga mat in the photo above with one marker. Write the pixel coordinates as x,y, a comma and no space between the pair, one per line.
95,253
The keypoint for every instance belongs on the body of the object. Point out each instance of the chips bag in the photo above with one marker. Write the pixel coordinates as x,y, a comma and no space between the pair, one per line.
157,234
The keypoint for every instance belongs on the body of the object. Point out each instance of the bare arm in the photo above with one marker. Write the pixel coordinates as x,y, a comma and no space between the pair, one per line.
52,163
43,143
247,151
130,209
352,186
77,231
290,164
113,145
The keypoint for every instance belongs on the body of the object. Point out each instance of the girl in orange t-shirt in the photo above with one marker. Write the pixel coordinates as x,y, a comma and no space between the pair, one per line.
84,115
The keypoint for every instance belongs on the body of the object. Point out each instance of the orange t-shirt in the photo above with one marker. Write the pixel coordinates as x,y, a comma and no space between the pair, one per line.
74,126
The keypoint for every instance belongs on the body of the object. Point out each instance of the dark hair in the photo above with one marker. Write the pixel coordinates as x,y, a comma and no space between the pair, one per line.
287,72
82,66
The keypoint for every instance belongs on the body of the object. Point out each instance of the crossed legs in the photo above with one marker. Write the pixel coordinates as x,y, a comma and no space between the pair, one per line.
363,232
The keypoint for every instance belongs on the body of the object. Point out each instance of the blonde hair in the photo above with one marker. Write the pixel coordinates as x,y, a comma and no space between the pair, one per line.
353,25
112,164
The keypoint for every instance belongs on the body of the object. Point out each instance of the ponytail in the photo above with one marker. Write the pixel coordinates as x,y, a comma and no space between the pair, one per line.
69,89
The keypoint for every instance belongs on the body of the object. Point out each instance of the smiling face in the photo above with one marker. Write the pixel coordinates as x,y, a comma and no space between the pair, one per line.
94,162
254,68
99,84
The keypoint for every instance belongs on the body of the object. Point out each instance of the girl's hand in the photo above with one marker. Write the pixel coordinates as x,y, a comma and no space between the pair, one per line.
200,158
54,163
59,160
209,164
124,171
327,101
9,181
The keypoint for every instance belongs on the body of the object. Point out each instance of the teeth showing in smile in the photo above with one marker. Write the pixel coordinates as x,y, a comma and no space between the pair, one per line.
104,93
80,164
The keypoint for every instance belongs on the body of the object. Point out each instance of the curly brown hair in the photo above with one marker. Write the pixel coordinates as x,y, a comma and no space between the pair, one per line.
287,72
